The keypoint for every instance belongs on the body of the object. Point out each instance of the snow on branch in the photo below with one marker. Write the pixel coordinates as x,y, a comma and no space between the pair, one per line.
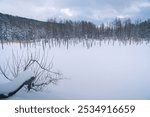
12,87
32,71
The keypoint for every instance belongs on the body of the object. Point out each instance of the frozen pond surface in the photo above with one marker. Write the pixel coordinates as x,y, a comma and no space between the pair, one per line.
99,72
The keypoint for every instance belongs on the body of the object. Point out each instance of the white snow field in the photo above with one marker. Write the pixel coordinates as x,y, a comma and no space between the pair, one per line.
100,72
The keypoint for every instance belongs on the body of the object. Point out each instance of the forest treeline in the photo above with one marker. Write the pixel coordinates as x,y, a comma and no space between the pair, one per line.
18,28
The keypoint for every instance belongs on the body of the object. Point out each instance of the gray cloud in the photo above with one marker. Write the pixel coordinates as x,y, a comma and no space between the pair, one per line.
93,10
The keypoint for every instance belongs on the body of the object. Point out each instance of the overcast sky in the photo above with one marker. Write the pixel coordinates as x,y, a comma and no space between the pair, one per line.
91,10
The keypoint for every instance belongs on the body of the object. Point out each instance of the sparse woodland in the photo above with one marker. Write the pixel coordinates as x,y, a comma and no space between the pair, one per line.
17,28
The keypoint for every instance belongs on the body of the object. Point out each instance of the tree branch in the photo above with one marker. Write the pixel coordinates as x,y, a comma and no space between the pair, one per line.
9,94
4,74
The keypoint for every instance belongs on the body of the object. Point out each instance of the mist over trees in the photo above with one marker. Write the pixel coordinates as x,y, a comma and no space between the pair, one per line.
18,28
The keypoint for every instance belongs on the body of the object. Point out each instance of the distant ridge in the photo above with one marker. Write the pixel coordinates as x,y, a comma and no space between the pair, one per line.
16,16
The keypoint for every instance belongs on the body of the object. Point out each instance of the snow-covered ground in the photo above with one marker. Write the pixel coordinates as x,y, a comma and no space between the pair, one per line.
106,72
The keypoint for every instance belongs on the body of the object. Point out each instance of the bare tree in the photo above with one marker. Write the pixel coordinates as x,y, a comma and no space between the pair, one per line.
39,65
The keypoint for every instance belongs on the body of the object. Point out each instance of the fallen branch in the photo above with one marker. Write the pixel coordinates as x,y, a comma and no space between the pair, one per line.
43,74
9,89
